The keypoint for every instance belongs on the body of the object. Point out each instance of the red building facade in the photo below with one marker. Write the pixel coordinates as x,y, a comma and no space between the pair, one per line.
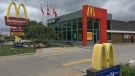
97,13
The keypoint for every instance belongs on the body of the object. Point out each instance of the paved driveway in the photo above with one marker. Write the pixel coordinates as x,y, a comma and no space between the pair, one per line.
64,62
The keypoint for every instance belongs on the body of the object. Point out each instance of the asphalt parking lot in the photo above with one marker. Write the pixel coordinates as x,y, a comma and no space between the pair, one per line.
58,62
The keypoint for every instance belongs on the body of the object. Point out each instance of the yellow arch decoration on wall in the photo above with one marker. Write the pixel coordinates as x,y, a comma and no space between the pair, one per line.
17,10
90,11
103,56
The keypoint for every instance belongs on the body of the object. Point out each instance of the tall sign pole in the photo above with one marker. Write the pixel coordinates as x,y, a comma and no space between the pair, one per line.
16,22
2,37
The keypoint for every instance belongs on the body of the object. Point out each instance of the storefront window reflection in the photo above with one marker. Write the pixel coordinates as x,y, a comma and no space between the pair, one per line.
74,35
89,23
108,25
64,30
69,25
108,36
80,35
79,23
74,24
96,23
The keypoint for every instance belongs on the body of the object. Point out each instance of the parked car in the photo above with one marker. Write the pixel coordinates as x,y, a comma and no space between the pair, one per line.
2,41
26,41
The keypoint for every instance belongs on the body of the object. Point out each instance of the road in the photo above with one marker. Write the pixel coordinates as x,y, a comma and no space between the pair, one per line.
63,62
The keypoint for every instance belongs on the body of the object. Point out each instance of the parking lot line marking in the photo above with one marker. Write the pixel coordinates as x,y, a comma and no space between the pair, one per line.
55,54
77,62
58,48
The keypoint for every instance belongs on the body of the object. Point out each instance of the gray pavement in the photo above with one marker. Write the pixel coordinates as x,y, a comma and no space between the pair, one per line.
124,52
50,62
33,66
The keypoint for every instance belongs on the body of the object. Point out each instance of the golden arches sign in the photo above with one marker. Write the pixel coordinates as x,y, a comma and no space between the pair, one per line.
103,56
17,10
90,11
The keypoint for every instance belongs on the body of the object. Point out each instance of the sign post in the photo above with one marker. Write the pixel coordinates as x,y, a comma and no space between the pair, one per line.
18,45
104,61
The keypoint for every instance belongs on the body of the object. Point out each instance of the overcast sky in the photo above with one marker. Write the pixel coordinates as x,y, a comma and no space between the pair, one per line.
123,10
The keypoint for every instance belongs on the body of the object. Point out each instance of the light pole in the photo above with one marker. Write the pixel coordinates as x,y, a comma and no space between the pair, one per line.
2,37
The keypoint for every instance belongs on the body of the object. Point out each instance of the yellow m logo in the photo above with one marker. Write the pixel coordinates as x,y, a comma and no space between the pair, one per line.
17,10
103,56
90,11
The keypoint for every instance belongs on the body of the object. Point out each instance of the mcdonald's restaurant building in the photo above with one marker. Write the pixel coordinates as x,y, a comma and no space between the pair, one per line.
89,26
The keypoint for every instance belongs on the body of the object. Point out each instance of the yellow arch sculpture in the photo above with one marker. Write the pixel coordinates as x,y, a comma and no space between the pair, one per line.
17,10
18,40
103,56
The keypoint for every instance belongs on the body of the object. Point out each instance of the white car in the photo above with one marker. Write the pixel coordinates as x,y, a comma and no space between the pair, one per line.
25,41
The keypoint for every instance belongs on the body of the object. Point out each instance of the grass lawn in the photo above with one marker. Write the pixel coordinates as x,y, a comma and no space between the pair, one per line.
6,50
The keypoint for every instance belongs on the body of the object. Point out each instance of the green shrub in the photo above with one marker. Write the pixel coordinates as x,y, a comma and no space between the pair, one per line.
127,71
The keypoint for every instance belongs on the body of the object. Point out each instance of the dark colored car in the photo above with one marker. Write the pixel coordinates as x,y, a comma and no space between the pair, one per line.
2,41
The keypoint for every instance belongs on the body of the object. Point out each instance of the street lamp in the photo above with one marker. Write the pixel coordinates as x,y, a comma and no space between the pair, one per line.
2,36
2,32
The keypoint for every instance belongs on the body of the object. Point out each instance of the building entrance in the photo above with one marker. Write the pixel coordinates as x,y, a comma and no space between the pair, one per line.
93,26
95,38
96,13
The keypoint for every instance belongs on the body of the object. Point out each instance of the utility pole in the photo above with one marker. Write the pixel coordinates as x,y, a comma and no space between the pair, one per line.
2,37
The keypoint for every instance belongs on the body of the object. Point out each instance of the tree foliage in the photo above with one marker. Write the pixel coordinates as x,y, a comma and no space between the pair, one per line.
132,21
36,30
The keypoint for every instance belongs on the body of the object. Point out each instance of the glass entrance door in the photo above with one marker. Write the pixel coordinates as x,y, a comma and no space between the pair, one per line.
95,38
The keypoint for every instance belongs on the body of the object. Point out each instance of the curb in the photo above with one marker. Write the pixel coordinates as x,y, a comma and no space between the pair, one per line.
26,54
84,74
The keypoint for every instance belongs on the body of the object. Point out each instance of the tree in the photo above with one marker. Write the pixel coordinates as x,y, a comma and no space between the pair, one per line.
36,30
132,21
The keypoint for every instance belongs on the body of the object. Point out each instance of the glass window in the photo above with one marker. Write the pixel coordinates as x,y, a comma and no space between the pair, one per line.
89,23
74,35
69,35
98,35
69,25
108,36
59,26
56,27
63,25
64,35
57,37
80,23
80,35
108,25
74,24
60,35
96,23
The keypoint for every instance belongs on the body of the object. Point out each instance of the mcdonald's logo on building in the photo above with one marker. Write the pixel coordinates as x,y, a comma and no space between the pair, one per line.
90,11
16,21
103,56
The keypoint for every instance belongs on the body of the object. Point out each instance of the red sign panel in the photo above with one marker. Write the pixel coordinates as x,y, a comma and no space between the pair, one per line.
13,21
16,30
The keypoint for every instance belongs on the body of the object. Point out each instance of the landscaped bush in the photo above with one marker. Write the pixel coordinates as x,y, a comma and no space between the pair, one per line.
127,70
